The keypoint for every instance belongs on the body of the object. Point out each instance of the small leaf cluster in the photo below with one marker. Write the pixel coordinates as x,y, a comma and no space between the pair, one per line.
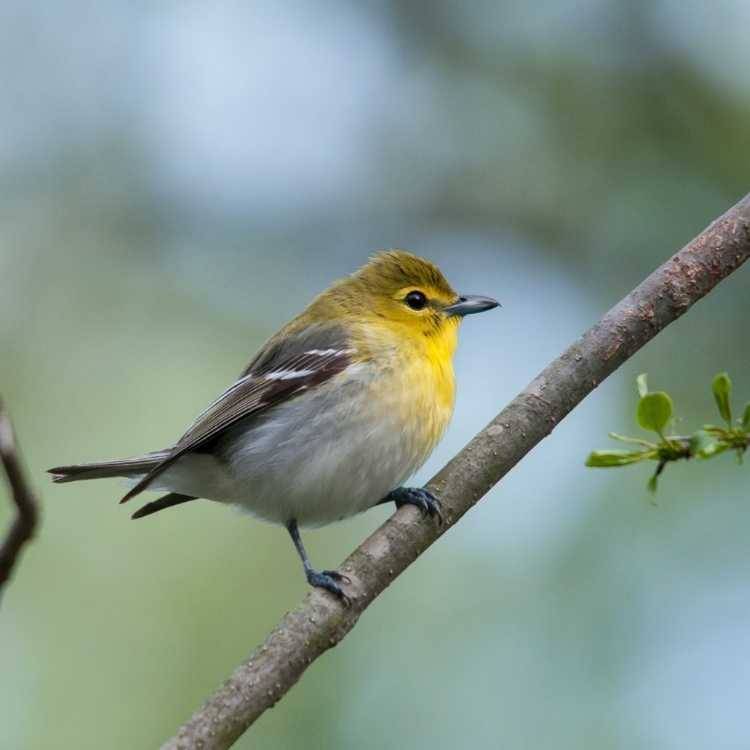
654,414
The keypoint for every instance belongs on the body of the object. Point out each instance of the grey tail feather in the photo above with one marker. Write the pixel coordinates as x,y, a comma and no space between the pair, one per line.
125,467
167,501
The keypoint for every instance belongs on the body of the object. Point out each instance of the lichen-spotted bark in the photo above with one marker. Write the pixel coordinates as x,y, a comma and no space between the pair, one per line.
320,622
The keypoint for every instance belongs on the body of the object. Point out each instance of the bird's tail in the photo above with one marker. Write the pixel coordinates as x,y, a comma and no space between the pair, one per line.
131,468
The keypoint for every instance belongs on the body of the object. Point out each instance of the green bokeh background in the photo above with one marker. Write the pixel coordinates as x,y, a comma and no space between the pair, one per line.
177,179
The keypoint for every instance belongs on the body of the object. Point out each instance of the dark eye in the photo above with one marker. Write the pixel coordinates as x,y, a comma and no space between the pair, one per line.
416,300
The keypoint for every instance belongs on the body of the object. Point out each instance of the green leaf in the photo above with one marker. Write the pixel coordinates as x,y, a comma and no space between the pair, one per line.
722,388
632,440
746,418
607,459
654,411
642,382
653,483
705,445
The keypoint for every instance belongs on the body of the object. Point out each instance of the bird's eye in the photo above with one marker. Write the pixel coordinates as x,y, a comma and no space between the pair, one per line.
416,300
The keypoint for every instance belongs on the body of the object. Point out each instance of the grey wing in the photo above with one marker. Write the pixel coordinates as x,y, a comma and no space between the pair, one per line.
280,372
321,338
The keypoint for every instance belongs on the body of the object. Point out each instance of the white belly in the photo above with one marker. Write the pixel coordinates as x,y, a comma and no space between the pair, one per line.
324,456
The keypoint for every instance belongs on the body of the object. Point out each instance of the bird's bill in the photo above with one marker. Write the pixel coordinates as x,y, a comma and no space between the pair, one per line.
468,304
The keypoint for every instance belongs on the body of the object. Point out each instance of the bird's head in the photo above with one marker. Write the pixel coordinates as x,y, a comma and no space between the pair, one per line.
399,291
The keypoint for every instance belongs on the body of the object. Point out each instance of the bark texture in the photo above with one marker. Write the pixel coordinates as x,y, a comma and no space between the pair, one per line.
320,622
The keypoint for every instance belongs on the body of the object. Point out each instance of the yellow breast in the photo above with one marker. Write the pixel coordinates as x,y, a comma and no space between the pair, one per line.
431,393
417,387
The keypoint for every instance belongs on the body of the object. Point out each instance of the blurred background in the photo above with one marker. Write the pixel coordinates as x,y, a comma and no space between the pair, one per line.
178,179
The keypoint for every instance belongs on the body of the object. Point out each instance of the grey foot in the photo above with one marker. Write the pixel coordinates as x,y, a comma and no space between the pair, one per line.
329,580
418,496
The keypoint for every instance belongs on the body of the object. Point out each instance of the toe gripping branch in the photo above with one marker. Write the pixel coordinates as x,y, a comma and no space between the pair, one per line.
329,580
419,497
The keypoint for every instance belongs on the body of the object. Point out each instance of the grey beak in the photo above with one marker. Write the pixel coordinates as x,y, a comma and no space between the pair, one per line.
468,304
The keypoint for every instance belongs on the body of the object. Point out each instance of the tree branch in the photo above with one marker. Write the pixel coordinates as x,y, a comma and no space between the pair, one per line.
320,621
22,528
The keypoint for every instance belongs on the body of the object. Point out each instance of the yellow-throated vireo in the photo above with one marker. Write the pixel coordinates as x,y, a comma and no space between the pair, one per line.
334,412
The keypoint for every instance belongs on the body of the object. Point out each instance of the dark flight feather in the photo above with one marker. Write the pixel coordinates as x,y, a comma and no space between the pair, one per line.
166,501
124,467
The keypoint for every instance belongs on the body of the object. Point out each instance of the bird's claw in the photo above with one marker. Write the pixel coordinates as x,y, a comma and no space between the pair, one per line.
329,580
421,498
336,576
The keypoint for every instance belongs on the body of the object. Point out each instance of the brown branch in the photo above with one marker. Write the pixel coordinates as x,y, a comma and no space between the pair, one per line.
22,528
320,622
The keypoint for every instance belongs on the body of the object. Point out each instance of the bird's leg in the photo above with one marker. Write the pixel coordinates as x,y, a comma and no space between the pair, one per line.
422,498
324,579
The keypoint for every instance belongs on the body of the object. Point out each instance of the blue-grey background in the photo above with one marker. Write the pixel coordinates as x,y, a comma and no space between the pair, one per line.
177,179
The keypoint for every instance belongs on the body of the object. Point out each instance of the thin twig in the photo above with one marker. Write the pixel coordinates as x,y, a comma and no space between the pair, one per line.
27,515
320,621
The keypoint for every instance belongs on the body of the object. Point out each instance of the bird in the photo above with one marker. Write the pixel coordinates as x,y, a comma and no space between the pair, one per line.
335,411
